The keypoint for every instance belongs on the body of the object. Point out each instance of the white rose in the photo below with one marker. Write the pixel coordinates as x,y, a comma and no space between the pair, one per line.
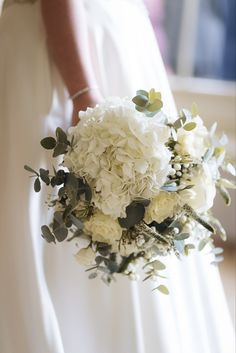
202,194
85,257
103,228
164,205
194,142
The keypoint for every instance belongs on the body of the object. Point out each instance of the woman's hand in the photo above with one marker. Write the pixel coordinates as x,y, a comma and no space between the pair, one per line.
85,100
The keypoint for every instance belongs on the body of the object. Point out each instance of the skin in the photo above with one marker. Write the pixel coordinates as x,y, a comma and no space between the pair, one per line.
68,42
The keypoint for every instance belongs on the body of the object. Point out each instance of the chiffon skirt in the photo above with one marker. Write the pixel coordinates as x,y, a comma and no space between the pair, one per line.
47,304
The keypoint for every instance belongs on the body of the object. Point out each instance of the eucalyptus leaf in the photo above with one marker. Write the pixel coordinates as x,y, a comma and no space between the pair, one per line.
194,110
155,106
186,113
225,194
190,126
179,122
47,234
179,245
219,228
212,129
135,213
139,109
37,185
231,169
157,265
61,136
140,100
153,95
217,251
202,244
142,93
77,222
71,181
103,248
61,233
44,175
209,153
182,236
93,275
217,260
144,202
29,169
61,148
163,289
188,247
48,143
227,183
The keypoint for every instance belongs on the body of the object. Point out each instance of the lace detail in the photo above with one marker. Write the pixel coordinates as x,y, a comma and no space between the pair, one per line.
11,2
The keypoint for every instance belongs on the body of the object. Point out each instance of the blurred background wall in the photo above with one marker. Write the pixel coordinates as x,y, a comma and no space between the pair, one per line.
197,40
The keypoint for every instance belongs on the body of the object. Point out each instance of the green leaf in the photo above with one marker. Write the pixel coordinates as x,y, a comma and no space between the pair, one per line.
190,126
186,113
142,92
153,95
219,228
194,110
163,289
231,169
188,247
225,194
209,153
103,249
61,148
139,109
182,236
37,185
135,213
61,233
61,136
179,122
140,100
157,265
202,244
190,212
26,167
227,183
71,181
77,222
154,107
217,251
93,275
47,234
217,260
44,175
144,202
48,143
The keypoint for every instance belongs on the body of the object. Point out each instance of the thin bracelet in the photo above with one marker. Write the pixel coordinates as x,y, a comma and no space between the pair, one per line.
81,91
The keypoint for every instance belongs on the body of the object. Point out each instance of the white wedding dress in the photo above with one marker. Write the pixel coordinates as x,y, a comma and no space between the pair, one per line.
47,304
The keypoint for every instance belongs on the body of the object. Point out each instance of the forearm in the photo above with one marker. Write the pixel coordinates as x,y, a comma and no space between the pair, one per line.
68,41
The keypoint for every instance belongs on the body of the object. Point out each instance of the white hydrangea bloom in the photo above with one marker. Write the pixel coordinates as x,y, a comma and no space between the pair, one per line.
121,153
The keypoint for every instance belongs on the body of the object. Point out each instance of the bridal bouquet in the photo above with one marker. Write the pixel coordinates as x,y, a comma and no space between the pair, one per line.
135,185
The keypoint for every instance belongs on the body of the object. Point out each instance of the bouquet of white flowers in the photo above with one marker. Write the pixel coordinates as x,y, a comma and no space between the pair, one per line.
136,185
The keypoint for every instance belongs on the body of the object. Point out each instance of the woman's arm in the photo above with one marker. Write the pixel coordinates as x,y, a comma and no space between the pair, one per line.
68,41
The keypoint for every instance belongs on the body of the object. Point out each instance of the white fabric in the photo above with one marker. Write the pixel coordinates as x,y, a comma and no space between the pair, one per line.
47,304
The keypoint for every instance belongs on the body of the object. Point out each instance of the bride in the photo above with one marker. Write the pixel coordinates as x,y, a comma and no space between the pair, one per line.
49,51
